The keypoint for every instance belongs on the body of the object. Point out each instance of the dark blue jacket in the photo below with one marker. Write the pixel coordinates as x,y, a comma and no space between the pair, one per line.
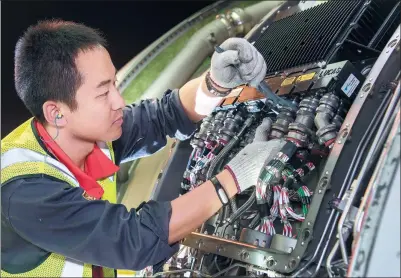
40,215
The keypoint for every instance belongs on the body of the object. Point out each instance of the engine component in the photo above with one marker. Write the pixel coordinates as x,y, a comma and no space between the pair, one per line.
300,131
199,139
316,34
256,238
327,131
341,78
283,244
282,224
230,126
280,127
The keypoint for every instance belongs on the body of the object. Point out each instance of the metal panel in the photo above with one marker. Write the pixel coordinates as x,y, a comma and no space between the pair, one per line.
332,177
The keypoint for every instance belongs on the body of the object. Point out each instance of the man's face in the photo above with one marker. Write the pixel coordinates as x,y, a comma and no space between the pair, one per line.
99,113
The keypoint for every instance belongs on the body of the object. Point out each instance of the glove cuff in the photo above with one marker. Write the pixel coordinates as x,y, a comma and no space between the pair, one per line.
242,174
234,177
212,87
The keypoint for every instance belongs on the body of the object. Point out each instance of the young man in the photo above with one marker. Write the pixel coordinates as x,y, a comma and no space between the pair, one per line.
58,185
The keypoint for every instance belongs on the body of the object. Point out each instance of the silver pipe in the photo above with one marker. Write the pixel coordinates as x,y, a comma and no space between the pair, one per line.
270,273
359,151
164,273
202,43
331,257
355,186
325,246
371,184
131,69
344,187
296,274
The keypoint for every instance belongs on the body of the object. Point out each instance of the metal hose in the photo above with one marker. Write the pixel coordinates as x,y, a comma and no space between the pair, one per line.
254,222
224,152
226,213
247,205
270,273
234,208
233,205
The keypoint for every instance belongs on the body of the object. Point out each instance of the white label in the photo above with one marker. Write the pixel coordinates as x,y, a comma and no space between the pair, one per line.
350,85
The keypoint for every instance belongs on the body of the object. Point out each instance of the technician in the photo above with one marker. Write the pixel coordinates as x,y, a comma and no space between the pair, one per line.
58,169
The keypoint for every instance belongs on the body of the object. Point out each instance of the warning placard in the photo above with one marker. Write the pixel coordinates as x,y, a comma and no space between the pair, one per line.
350,85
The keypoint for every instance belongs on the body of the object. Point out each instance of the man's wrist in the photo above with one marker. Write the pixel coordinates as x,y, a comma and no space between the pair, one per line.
205,89
227,181
213,88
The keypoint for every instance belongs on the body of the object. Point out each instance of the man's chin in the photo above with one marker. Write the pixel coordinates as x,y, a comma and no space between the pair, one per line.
113,136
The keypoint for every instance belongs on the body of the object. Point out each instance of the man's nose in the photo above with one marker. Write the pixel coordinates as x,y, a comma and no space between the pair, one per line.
117,101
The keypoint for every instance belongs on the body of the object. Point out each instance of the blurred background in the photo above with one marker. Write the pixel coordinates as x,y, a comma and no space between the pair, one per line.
129,26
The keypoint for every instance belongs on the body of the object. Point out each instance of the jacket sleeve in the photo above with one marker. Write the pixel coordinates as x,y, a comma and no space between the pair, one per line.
147,124
55,217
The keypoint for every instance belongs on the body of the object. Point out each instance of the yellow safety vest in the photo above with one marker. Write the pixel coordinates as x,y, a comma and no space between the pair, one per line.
22,155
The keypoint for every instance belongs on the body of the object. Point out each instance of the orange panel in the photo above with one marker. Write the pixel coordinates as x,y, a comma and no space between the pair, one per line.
230,99
250,93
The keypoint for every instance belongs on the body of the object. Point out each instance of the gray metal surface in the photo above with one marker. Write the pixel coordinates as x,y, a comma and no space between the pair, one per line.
382,70
255,237
377,249
283,243
287,263
385,254
373,152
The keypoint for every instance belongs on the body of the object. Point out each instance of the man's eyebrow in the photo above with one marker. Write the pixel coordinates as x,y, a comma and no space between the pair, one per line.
103,83
106,82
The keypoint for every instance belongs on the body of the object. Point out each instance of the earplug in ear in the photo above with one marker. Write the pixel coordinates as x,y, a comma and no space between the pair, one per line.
59,115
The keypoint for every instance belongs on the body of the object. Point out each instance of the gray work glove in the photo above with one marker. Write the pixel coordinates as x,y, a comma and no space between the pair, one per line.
263,130
240,63
247,164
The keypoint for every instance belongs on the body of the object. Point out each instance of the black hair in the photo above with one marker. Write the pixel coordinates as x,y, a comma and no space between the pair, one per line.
45,67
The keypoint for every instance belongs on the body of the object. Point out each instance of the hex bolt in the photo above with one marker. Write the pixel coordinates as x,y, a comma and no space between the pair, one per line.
244,255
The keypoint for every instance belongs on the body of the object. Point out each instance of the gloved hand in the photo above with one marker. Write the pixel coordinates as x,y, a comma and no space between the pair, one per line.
250,67
263,130
247,164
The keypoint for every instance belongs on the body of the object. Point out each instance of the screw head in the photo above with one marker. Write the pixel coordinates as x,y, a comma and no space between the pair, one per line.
244,255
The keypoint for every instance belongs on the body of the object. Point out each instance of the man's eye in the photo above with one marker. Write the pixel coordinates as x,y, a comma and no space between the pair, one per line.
105,94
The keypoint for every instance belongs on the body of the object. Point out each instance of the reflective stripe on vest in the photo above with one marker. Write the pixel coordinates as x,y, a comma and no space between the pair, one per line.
24,155
105,149
19,155
72,268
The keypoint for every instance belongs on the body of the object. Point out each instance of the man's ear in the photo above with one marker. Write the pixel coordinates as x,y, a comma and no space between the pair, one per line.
53,114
